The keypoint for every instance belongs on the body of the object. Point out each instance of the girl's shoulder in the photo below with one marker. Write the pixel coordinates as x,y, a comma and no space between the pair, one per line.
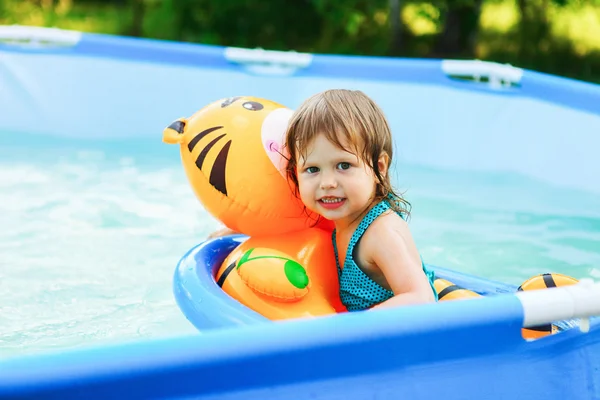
388,227
389,244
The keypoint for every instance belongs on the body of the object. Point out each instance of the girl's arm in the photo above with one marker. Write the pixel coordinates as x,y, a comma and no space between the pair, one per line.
390,246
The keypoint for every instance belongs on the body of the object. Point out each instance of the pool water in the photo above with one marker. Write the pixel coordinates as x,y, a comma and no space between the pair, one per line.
92,233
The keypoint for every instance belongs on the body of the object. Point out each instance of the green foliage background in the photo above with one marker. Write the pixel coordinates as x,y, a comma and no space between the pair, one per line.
555,36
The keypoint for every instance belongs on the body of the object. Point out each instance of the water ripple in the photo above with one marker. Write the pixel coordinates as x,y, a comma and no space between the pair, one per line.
90,241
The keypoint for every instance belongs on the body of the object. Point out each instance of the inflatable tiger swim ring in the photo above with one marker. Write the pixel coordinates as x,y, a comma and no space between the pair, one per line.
233,155
448,291
539,282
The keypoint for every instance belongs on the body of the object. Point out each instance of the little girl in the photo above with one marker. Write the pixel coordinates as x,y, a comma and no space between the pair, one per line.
340,148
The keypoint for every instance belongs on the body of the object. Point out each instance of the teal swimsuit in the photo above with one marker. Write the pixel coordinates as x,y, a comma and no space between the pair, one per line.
357,290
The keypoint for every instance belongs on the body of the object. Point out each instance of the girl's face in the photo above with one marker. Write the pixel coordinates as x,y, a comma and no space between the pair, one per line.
335,183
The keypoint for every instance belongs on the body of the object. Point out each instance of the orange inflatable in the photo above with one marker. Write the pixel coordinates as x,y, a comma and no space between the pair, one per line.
448,291
284,279
233,155
539,282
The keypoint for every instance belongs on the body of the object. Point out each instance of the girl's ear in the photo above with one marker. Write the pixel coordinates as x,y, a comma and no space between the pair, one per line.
383,163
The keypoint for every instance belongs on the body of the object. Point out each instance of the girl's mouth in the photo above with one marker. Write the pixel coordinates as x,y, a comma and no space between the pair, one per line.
331,202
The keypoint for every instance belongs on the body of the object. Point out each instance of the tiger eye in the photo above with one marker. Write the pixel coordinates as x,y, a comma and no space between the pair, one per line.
252,106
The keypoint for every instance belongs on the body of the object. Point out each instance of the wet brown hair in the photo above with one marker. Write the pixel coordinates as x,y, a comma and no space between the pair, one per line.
345,116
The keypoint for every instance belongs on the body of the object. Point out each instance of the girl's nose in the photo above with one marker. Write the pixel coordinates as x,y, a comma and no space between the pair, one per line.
328,181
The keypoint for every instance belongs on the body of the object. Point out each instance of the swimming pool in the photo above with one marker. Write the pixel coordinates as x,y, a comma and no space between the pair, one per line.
503,180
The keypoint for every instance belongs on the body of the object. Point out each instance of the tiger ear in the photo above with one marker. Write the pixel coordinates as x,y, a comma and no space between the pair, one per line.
173,134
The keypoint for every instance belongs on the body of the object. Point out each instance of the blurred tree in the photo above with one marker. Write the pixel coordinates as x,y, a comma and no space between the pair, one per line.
460,23
274,24
64,6
395,27
137,18
304,25
534,26
353,26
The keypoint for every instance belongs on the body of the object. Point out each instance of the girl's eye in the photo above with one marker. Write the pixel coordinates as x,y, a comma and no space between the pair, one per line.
344,165
312,170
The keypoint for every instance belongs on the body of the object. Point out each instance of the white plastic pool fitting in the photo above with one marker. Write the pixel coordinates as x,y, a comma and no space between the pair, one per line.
268,62
33,36
498,75
581,300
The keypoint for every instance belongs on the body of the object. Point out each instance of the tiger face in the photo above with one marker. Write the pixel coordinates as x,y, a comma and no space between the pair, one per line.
233,155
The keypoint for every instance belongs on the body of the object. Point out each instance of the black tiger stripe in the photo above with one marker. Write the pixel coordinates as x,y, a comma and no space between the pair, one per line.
541,328
204,152
225,273
229,101
217,175
198,137
448,290
549,280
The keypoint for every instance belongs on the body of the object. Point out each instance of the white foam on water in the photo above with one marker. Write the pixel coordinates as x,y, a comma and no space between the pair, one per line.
89,250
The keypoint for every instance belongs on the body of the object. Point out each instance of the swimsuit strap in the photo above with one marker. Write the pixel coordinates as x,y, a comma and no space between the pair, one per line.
367,220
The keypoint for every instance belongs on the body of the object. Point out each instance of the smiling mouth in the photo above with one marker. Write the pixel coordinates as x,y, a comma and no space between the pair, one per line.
331,203
331,200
